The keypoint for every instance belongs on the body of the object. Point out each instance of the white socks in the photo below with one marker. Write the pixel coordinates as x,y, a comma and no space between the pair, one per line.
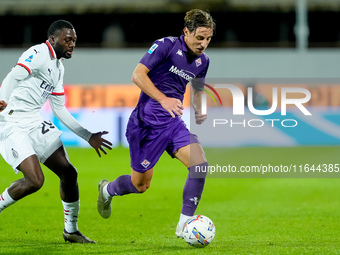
6,200
182,219
106,193
71,211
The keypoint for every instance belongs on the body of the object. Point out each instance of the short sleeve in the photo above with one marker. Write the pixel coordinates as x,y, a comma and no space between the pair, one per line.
205,70
31,59
158,52
199,81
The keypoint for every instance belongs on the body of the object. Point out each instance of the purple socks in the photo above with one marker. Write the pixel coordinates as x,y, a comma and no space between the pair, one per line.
121,186
193,189
192,192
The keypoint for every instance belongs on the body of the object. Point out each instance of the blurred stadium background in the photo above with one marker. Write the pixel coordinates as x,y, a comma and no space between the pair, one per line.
254,39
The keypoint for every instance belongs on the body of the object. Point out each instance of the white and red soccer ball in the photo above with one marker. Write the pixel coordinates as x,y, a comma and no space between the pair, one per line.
199,231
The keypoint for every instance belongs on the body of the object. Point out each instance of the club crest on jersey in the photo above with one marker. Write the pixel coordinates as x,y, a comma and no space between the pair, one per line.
145,163
29,59
15,153
152,49
198,62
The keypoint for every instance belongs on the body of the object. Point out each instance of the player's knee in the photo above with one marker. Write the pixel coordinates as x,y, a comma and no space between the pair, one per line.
69,173
72,172
199,171
35,183
142,187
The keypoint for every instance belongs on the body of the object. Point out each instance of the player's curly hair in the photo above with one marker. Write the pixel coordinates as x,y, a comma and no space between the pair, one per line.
57,26
196,18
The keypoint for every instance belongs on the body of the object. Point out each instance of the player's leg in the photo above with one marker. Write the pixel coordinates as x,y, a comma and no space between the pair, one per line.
59,163
185,147
50,151
192,156
33,180
137,182
144,156
17,151
141,180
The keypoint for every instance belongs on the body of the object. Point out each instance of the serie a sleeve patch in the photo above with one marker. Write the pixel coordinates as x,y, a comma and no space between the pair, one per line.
153,48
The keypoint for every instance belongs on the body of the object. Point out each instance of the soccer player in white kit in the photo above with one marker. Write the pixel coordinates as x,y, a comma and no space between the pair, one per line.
26,139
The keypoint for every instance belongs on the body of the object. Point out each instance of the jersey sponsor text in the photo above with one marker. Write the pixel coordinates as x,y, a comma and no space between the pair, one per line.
182,73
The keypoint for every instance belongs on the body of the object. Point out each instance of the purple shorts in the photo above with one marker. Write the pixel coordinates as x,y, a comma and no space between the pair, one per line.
147,144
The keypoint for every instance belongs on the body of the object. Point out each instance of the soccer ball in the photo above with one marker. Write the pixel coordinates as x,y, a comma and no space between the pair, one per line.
199,231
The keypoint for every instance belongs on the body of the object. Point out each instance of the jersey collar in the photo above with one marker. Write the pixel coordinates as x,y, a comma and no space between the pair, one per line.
185,48
184,45
51,49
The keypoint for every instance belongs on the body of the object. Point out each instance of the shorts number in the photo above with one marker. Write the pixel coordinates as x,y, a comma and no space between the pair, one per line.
46,126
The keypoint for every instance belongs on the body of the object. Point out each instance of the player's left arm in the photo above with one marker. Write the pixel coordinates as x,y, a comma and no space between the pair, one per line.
96,140
196,100
197,105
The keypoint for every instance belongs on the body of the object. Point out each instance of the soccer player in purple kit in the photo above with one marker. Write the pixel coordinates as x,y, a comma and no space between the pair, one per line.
155,125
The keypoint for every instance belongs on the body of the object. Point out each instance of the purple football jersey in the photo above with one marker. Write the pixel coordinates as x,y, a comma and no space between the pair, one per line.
171,69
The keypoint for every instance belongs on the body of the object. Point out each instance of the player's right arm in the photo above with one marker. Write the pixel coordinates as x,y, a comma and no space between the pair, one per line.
17,74
158,52
141,79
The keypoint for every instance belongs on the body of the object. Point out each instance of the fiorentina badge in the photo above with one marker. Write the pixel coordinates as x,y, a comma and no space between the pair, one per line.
145,163
198,62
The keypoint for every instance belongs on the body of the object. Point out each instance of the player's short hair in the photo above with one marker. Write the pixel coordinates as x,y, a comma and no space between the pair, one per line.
58,26
196,18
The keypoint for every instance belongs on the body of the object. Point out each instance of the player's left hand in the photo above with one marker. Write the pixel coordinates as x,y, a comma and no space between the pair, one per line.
97,142
200,118
3,105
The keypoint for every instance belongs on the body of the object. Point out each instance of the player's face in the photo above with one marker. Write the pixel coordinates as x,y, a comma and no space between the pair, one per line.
198,40
64,43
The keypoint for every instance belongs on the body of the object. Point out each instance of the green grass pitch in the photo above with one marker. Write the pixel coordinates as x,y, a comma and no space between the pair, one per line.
252,215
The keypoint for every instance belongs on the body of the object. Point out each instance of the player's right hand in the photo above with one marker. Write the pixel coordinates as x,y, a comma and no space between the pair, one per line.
3,105
172,106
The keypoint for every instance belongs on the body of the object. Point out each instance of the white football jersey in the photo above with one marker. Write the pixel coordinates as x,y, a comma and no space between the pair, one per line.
46,78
